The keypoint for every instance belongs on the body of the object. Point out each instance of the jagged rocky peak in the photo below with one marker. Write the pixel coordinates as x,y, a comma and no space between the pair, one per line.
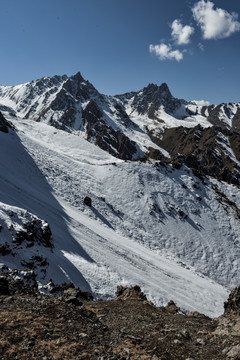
161,91
76,89
225,115
77,77
155,93
149,101
37,88
48,81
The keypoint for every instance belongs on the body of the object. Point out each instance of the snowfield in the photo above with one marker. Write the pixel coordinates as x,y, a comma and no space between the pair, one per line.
150,225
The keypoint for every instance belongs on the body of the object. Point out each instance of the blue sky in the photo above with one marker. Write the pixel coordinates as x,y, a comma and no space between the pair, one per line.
123,45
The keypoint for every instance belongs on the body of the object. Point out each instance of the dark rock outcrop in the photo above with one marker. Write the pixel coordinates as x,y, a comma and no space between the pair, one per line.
4,288
5,249
4,124
172,307
202,150
232,305
104,136
18,282
35,231
236,122
134,292
73,295
149,100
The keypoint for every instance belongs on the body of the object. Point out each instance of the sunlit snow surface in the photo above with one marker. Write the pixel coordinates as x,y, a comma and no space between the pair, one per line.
135,232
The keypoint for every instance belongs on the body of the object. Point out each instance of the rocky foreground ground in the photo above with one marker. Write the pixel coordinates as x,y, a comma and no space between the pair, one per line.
73,326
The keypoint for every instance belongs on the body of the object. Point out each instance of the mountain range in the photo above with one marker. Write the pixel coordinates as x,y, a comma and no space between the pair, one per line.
139,188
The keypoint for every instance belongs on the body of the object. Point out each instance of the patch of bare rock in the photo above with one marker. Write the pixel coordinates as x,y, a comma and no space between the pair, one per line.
71,325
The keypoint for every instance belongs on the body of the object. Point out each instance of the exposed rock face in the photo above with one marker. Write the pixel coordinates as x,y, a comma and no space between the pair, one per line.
134,292
5,249
25,241
213,116
217,115
4,288
18,282
172,307
232,305
73,295
103,135
35,92
149,100
236,121
202,150
35,231
234,140
4,124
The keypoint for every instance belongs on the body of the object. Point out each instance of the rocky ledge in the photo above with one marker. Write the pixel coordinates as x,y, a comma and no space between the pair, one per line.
73,326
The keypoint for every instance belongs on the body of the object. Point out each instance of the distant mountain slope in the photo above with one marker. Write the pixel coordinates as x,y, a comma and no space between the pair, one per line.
129,126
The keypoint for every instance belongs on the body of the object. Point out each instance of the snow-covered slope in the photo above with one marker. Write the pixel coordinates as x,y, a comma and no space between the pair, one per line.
148,225
169,223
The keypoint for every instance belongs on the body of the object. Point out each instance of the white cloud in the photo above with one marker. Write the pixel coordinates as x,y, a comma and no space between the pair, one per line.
180,33
215,24
201,102
165,52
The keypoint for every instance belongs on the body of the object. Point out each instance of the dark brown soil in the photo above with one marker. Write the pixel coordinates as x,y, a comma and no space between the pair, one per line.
37,326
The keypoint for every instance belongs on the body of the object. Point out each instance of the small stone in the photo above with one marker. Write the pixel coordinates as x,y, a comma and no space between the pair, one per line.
186,334
176,341
126,350
200,341
83,335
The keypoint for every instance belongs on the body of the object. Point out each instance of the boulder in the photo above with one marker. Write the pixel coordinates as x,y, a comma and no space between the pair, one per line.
134,292
87,201
172,307
73,295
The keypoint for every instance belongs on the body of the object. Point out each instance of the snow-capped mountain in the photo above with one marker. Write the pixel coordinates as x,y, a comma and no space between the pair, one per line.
73,104
129,126
167,219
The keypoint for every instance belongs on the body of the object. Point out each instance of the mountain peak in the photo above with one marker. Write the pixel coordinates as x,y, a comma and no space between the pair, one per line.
164,87
151,86
78,77
161,91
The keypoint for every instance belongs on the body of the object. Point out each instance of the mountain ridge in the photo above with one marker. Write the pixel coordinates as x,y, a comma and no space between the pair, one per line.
124,121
